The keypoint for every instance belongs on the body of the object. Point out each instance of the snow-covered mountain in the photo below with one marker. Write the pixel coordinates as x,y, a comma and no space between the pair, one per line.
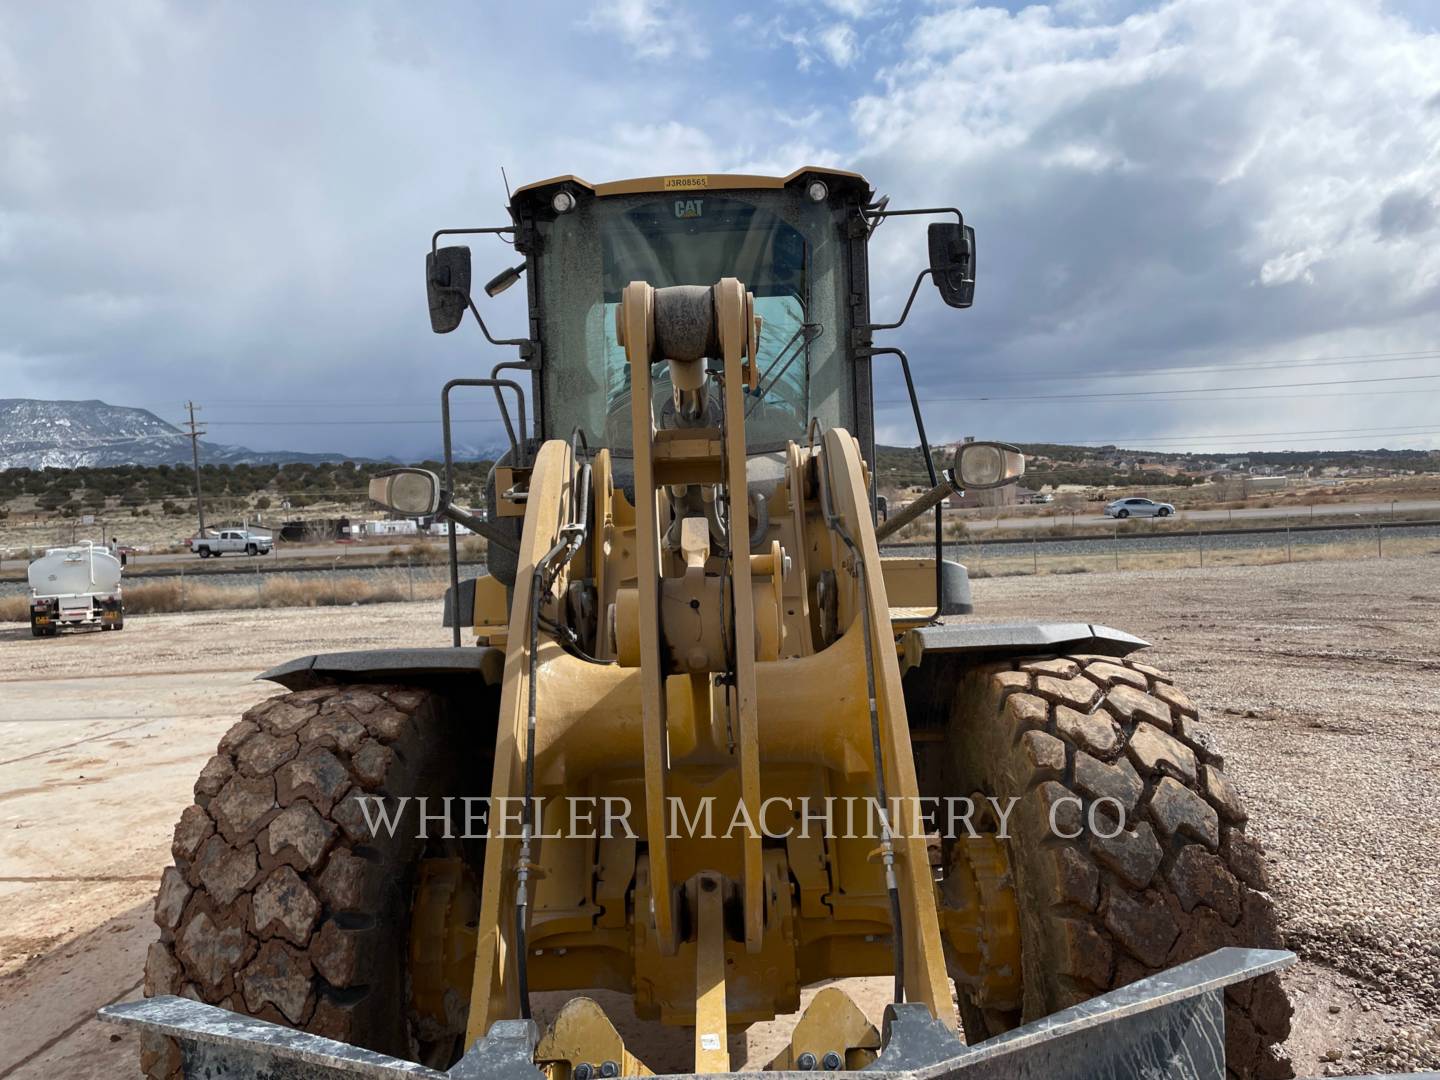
465,451
37,434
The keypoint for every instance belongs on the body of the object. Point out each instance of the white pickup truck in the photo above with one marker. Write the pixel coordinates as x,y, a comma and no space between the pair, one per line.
233,541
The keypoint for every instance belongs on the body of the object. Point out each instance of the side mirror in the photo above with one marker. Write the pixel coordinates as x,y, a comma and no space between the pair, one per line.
952,262
447,280
412,492
988,464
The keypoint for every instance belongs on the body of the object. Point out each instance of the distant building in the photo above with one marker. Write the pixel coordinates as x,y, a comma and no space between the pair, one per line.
1002,496
403,527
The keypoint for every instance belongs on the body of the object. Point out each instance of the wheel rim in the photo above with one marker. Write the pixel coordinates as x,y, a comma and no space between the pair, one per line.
443,934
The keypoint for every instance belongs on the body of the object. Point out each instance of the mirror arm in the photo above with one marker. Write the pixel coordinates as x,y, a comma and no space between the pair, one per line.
494,229
877,215
525,344
928,501
914,290
479,526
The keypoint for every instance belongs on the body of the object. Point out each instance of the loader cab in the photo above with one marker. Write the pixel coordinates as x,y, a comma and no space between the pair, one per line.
797,243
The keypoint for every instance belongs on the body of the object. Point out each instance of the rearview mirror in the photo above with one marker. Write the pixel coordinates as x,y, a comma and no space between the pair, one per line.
988,464
952,262
412,492
447,280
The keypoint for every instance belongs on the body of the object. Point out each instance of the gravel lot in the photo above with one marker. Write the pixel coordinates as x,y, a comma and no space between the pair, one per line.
1319,681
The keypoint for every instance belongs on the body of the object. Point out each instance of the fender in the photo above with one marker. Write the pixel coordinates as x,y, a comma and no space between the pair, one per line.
999,640
439,668
933,657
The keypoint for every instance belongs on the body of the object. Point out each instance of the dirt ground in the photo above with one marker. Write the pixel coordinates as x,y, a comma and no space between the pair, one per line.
1318,681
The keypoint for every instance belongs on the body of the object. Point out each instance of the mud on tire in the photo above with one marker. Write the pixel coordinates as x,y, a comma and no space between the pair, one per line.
281,905
1179,881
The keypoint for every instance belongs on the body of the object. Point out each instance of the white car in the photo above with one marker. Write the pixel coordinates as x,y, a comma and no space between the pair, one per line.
231,540
1125,508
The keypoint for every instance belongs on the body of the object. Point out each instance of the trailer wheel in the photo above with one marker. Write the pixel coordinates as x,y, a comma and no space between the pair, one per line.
283,905
1092,744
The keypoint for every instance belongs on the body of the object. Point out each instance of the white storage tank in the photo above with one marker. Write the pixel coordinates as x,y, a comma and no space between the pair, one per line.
75,571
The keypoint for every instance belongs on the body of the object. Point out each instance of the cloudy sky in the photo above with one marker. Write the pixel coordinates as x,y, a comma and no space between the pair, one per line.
1202,223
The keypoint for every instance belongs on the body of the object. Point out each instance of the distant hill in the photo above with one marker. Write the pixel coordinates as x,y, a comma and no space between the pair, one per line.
1060,463
37,434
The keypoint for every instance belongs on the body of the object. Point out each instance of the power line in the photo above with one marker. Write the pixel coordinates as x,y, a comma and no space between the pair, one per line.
1139,443
1409,429
1195,390
898,403
344,423
1141,373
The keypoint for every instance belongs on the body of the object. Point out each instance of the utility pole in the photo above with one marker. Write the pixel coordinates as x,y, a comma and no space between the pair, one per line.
195,434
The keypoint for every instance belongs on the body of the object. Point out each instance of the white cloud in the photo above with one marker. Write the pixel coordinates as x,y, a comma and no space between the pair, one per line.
856,9
1209,178
650,27
1292,266
840,44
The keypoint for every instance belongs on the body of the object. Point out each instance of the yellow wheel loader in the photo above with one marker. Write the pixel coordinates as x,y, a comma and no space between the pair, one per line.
705,752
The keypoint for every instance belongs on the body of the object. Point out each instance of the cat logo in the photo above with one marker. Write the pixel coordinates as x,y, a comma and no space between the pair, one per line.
688,208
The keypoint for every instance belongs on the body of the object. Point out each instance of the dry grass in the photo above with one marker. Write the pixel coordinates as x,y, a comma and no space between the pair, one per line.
1018,560
320,590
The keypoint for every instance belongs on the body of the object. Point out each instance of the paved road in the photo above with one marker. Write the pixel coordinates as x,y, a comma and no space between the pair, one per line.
1043,517
282,553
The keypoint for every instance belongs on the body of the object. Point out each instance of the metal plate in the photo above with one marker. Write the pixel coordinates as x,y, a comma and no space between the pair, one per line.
386,665
1015,639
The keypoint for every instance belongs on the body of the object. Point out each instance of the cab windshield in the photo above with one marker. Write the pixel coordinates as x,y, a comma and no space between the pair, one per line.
767,240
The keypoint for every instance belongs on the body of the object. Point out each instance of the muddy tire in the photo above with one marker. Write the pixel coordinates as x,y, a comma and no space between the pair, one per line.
1065,735
281,903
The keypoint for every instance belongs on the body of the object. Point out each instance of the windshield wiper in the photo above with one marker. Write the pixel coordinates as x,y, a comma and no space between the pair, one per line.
761,388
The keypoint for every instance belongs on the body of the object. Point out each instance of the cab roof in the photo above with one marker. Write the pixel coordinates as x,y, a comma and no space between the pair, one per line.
698,182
